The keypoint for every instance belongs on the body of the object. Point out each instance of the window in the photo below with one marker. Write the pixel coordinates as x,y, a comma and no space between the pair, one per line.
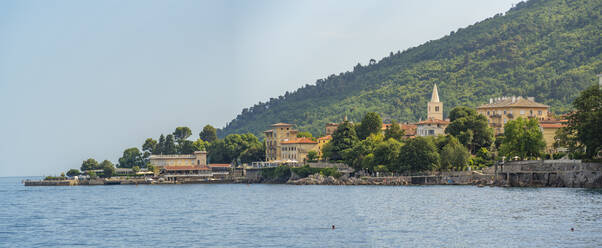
431,132
436,108
539,112
522,112
504,111
487,112
531,112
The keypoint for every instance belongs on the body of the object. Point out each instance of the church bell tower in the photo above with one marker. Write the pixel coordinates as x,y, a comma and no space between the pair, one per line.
435,107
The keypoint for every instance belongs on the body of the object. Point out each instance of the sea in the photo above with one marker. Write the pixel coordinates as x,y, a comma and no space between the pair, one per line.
276,215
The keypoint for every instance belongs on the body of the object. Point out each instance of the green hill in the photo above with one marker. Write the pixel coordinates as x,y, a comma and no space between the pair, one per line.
546,49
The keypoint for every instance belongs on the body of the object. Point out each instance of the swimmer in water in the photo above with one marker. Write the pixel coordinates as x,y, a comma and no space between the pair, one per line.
572,229
333,227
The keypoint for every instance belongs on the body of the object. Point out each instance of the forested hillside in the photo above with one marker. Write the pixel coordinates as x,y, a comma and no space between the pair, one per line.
546,49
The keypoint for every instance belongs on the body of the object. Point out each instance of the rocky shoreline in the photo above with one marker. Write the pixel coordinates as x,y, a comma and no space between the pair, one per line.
317,179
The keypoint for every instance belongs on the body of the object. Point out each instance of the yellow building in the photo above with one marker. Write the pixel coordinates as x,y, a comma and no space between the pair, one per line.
199,158
296,150
549,128
274,137
321,142
503,109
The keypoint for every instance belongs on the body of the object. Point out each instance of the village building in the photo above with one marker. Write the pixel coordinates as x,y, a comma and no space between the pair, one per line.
503,109
548,128
434,124
431,127
274,137
199,158
295,151
409,130
331,127
321,142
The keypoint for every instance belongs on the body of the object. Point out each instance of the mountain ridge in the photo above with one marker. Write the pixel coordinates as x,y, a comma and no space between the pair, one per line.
546,49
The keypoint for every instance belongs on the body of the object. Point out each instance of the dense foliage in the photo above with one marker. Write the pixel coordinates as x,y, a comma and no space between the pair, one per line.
471,128
546,49
586,121
522,138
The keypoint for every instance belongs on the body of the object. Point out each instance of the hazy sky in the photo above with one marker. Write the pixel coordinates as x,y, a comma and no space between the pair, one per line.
82,79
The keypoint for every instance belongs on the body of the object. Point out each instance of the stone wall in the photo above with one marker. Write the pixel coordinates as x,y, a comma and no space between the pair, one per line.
550,173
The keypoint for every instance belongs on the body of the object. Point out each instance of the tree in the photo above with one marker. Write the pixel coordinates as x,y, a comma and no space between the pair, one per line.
312,155
244,148
418,154
105,163
355,156
586,121
182,133
371,123
343,139
454,155
208,134
89,164
160,149
200,145
523,138
216,152
150,146
92,174
394,131
460,112
186,147
305,135
170,145
131,157
567,137
471,129
108,170
387,153
73,172
136,169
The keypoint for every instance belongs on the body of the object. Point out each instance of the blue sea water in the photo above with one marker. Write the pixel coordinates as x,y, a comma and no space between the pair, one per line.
240,215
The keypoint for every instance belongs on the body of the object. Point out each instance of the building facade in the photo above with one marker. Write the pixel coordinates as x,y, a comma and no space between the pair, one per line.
503,109
296,150
548,129
321,142
199,158
274,137
431,127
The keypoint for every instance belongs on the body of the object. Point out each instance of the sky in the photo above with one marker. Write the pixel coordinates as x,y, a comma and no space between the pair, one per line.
88,79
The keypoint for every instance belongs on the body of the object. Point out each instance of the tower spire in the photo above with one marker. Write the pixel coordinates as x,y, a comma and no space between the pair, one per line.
435,96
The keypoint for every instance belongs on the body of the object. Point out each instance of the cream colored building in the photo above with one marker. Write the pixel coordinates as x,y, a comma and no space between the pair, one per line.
274,137
296,150
431,127
199,158
435,107
503,109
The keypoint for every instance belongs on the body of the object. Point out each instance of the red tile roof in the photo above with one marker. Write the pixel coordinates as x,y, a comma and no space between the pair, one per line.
218,165
302,140
184,167
552,125
433,121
